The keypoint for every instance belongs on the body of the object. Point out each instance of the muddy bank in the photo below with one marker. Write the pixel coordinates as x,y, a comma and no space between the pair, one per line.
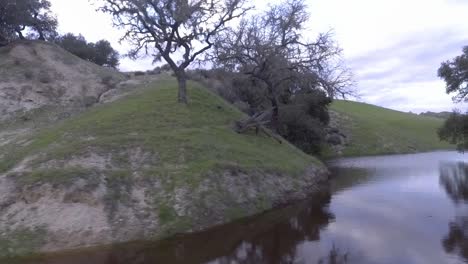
97,209
187,248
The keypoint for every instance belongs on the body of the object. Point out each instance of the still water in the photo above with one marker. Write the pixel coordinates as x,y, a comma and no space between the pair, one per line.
388,209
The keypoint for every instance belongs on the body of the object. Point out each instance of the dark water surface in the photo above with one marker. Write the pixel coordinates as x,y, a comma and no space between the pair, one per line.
388,209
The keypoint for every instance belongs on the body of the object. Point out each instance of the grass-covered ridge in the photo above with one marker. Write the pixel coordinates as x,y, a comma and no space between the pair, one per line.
188,140
377,130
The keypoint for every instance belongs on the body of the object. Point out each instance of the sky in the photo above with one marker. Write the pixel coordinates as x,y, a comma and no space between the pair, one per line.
393,47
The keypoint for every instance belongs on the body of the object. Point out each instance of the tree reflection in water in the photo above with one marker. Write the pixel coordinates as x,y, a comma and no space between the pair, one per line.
454,179
279,244
273,237
456,242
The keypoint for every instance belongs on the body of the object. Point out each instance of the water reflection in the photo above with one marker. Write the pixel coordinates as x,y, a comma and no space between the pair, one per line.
385,210
271,238
456,241
454,179
280,243
348,177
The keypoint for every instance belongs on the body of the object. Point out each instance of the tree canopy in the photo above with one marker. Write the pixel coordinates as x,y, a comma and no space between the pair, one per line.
455,74
20,17
32,19
100,52
455,130
104,54
173,29
272,50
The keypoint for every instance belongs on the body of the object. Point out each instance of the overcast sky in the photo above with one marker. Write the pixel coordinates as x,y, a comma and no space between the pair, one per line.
393,47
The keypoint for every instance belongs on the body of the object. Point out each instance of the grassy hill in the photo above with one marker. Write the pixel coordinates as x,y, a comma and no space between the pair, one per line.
376,130
189,139
142,167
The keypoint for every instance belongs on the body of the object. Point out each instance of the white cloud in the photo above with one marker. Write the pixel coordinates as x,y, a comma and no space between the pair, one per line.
386,42
402,42
81,17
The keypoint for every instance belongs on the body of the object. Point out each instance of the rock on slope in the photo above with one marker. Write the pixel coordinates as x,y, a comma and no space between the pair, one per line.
142,167
34,74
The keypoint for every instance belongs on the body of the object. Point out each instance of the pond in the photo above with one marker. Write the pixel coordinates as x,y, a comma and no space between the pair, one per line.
386,209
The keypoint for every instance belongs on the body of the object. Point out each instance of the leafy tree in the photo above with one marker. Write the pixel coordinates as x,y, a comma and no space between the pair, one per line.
272,50
7,29
303,114
75,44
173,29
455,130
303,119
455,74
100,52
104,54
20,16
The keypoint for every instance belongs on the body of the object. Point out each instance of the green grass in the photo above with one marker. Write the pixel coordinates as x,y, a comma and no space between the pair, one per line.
188,140
21,242
63,177
375,130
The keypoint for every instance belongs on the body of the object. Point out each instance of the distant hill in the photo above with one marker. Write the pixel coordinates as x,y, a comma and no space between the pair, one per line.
373,130
443,115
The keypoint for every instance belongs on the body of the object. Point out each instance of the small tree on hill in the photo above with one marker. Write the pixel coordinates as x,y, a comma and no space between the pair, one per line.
75,44
100,52
104,54
455,74
169,29
32,16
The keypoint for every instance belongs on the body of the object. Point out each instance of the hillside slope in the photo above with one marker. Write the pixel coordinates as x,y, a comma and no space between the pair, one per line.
142,167
34,74
373,130
42,84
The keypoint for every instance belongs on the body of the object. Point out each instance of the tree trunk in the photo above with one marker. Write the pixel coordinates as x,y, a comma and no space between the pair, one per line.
182,81
275,114
3,41
275,106
20,34
41,35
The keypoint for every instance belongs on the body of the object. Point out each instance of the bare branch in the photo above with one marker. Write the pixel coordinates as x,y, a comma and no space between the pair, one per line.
168,28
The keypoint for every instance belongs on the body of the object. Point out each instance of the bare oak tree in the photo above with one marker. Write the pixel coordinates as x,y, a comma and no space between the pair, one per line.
271,48
171,29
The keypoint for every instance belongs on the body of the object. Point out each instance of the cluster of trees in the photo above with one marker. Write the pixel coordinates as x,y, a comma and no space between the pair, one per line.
455,74
280,69
296,77
32,19
302,116
100,52
20,19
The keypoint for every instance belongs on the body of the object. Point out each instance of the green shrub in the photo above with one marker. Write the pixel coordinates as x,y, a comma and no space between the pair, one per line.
304,119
